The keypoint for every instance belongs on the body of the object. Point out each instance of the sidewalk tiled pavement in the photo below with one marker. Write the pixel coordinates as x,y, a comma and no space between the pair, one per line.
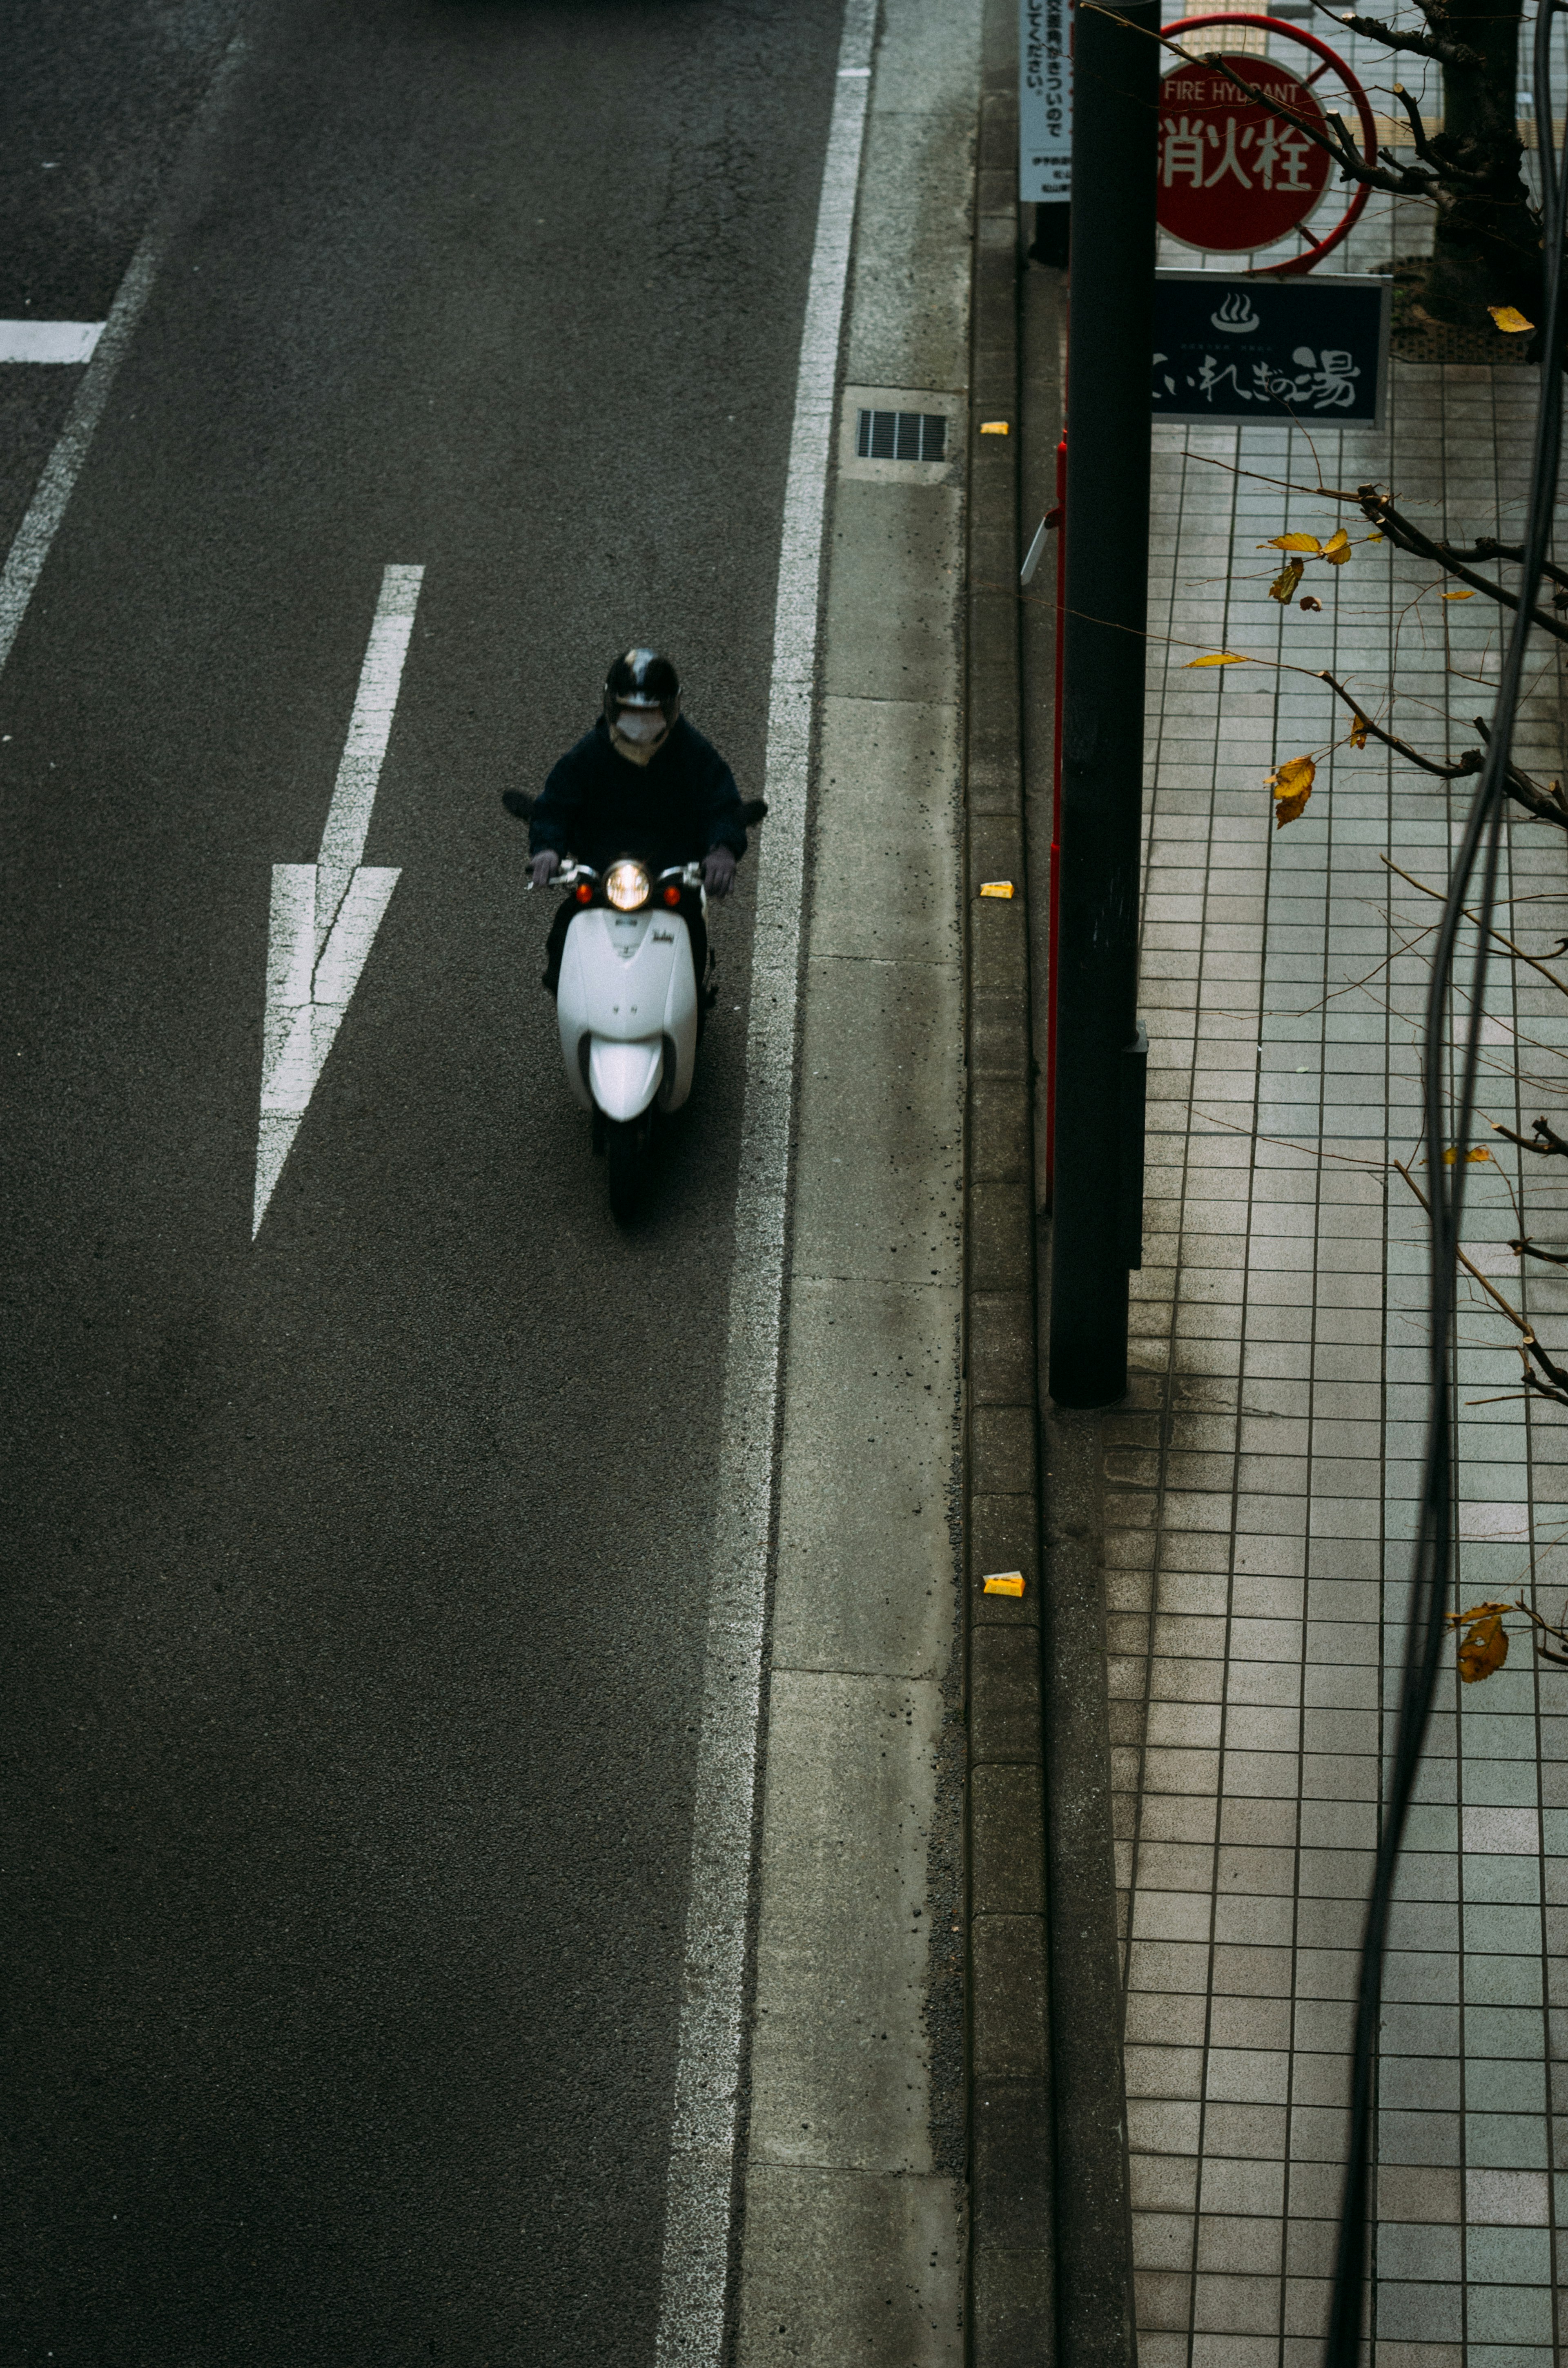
1264,1471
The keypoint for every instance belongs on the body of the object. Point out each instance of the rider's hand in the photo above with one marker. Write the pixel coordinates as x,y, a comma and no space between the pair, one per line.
545,867
719,871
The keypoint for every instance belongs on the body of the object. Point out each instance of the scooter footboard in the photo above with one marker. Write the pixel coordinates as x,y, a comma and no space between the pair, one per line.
624,1077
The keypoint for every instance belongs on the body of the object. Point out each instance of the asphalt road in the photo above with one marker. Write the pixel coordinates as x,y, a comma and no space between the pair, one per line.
357,1575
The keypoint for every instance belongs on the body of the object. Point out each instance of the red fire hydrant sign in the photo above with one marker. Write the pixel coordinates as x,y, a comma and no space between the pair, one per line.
1233,176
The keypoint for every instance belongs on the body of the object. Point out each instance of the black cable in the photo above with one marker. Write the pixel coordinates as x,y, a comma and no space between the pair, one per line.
1445,1128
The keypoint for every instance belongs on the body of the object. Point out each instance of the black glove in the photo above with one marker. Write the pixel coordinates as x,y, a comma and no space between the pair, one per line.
546,864
719,871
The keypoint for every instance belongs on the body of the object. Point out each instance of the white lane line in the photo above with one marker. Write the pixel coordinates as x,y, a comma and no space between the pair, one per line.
49,341
700,2193
325,915
25,560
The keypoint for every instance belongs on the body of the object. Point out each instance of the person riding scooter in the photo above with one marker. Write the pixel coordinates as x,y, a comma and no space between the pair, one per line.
643,782
639,824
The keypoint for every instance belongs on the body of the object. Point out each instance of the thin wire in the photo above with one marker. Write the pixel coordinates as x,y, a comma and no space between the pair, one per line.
1446,1129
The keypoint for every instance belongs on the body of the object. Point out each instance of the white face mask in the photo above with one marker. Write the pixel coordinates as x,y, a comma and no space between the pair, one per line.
641,725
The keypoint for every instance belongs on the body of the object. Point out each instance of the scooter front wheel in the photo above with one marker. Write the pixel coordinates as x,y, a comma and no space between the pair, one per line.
626,1149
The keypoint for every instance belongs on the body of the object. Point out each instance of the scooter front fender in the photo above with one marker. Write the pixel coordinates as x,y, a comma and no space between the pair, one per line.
624,1077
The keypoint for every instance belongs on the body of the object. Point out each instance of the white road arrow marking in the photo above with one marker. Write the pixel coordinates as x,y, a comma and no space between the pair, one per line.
325,914
49,341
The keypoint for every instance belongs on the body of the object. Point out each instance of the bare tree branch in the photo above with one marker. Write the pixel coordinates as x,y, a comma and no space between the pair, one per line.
1517,952
1424,45
1544,1649
1403,180
1551,1380
1417,125
1471,1268
1432,10
1470,762
1546,806
1395,527
1486,546
1542,1138
1524,1248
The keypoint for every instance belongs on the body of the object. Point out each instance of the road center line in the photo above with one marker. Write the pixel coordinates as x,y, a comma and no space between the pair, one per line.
25,560
699,2195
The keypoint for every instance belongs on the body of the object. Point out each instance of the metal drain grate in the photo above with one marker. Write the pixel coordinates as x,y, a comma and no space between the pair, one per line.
901,435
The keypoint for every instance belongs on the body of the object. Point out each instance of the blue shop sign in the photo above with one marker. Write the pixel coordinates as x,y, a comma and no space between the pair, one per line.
1234,347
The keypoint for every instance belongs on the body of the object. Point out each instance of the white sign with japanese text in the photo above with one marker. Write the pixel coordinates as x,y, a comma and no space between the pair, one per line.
1045,101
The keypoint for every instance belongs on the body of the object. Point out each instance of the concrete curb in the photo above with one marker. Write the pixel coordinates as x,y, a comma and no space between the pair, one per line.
1012,2307
855,2231
1092,2225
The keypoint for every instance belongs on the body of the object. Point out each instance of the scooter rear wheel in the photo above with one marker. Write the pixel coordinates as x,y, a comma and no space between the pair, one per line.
626,1149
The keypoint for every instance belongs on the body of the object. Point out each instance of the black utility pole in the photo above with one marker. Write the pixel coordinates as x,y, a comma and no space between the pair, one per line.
1097,1204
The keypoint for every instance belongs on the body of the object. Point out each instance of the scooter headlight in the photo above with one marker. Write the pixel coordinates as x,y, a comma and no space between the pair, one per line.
627,885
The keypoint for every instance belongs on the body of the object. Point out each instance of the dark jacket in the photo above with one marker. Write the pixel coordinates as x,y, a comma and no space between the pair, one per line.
598,804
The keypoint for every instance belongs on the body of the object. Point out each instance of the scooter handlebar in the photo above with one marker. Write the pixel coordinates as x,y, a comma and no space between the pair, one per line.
567,874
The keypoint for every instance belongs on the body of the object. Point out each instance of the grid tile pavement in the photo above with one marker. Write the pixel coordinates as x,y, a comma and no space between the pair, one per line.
1262,1472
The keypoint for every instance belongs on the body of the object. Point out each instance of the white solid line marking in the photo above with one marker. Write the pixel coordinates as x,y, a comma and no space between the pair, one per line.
325,915
699,2191
25,560
49,341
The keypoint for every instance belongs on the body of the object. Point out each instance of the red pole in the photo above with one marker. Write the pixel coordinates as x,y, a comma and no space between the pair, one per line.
1060,522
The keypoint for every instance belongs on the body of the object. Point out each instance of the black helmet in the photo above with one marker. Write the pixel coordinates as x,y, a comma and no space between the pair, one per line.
641,678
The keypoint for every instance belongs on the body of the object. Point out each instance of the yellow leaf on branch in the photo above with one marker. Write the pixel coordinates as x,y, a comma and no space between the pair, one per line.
1283,587
1336,550
1458,595
1305,542
1509,319
1291,783
1473,1157
1359,730
1221,657
1484,1646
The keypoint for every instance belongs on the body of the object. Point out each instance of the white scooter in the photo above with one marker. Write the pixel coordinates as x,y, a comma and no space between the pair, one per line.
629,1002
